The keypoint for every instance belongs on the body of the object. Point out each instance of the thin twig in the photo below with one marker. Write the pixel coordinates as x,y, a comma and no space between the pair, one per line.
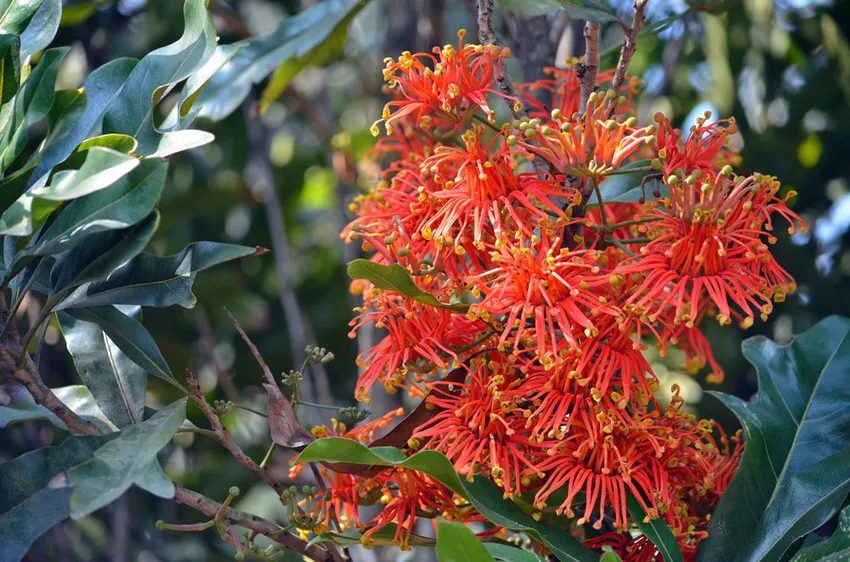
267,373
627,51
487,36
588,70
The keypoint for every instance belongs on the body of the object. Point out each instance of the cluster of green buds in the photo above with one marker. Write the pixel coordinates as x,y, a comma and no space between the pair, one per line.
222,407
308,515
351,416
318,355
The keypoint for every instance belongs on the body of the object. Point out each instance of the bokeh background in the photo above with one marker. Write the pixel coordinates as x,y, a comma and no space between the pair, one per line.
283,179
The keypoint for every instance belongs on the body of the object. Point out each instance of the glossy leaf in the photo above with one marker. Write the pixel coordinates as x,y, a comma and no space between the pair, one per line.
131,112
117,383
456,543
396,278
796,425
15,14
295,37
505,553
10,66
130,337
100,256
150,280
42,28
28,507
77,398
656,530
102,168
128,460
172,142
483,494
835,549
31,104
102,86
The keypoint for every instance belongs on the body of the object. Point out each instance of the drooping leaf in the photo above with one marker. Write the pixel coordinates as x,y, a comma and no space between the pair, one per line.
31,104
101,86
456,543
795,427
588,10
128,460
28,507
395,278
42,28
102,168
835,549
129,336
295,37
322,54
10,66
656,530
505,553
150,280
100,256
132,111
117,383
483,494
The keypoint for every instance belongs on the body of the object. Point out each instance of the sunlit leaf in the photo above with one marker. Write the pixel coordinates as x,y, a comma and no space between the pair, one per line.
42,28
395,278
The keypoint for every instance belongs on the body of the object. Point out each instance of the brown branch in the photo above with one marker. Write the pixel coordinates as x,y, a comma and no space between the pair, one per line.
487,36
627,51
224,437
210,508
588,70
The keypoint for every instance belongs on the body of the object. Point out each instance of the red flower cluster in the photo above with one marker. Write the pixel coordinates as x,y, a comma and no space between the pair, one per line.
551,295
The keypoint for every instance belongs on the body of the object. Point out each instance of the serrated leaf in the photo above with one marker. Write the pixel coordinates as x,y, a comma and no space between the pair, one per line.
132,111
295,37
10,67
835,549
28,507
483,494
31,104
117,383
128,460
150,280
395,278
42,28
456,543
101,87
505,553
130,336
796,425
102,168
656,531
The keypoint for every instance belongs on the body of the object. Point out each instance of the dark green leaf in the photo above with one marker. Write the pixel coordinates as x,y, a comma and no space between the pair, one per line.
98,257
483,494
130,336
150,280
42,28
15,14
295,37
505,553
11,188
127,460
456,543
656,530
625,187
117,384
28,507
834,549
31,104
132,111
797,422
395,278
10,67
101,87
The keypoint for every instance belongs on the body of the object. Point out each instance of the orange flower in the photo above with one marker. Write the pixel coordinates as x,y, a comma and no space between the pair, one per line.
705,149
564,91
